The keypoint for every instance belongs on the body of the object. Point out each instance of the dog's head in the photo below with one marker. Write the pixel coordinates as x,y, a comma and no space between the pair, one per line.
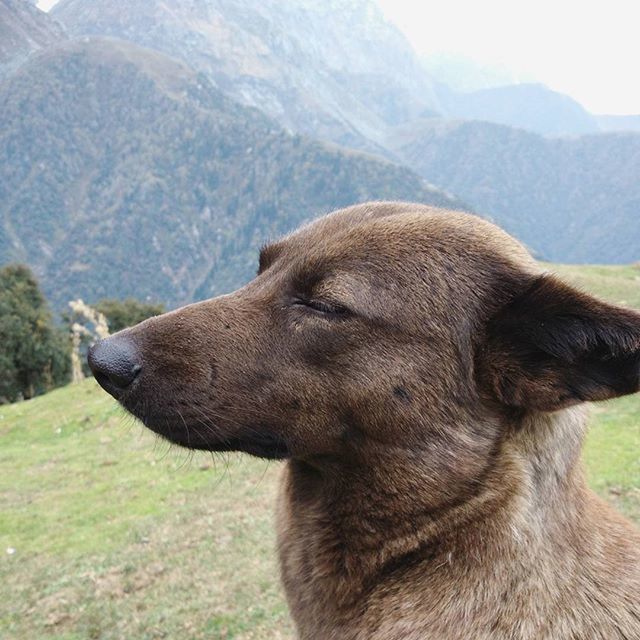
380,328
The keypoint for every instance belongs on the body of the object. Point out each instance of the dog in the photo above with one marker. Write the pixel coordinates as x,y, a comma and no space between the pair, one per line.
424,379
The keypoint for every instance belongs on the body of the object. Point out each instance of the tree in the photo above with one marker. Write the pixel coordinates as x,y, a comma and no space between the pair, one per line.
34,354
121,314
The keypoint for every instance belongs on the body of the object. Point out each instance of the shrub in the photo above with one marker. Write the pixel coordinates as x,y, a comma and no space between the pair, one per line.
34,353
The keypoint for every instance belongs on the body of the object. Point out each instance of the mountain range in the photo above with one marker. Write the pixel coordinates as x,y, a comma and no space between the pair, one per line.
335,70
125,172
569,199
149,148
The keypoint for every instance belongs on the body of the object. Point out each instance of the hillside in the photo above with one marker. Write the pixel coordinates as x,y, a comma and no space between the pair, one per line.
124,172
568,199
23,30
328,70
107,524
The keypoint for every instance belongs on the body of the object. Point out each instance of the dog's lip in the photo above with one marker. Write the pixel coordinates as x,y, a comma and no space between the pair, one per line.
257,441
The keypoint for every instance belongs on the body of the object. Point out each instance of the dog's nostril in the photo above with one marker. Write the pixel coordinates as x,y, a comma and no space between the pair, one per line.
114,363
123,378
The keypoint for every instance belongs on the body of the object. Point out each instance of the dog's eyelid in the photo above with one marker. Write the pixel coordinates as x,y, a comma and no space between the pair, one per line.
322,304
321,286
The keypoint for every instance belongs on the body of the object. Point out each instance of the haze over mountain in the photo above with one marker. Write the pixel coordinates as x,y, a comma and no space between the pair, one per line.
124,172
462,74
335,70
23,30
619,123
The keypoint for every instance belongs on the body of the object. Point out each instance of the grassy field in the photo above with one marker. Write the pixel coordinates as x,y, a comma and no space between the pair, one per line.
106,532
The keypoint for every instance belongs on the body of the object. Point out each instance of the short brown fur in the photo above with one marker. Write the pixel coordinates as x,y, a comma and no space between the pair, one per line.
423,378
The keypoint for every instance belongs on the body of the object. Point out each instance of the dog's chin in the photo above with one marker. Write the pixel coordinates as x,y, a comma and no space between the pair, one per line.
260,443
270,448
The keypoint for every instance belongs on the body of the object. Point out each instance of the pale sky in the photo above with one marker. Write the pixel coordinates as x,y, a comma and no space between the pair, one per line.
588,49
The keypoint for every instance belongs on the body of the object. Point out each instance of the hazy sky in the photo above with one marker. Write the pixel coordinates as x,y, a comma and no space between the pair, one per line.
589,49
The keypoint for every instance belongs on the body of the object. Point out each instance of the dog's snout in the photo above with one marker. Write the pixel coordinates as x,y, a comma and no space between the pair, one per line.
115,363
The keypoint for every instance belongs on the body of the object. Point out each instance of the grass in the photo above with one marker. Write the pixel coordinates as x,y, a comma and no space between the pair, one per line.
617,283
118,536
107,533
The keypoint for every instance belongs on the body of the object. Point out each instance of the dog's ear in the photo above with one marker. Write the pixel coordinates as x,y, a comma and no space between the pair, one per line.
553,346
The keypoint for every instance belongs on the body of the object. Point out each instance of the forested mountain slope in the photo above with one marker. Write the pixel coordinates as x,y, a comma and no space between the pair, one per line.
570,199
124,172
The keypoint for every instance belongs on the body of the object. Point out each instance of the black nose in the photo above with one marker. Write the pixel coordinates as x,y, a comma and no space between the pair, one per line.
115,364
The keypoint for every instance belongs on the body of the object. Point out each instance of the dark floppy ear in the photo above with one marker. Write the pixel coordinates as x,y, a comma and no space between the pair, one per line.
553,346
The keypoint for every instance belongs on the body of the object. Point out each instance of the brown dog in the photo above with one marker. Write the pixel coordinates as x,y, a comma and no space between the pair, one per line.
424,379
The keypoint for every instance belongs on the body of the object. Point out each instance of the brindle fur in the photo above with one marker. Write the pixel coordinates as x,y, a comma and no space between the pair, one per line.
432,423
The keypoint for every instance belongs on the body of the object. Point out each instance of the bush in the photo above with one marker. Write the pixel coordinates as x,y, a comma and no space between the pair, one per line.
34,354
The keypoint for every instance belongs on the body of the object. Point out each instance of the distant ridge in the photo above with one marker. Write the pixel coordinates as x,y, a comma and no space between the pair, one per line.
525,106
23,30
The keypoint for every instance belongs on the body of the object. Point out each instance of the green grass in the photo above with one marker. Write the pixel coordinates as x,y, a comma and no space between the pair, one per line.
619,284
118,536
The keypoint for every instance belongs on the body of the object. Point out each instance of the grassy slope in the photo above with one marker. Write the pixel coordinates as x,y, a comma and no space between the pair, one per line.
118,536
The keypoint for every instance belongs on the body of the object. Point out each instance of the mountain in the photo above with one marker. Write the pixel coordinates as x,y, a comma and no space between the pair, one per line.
472,91
525,106
569,199
124,172
335,70
23,30
618,123
462,74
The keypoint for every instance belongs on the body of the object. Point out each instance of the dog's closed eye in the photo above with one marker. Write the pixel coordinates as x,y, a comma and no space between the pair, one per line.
325,307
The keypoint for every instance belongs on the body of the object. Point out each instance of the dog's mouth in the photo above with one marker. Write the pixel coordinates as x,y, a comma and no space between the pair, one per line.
260,441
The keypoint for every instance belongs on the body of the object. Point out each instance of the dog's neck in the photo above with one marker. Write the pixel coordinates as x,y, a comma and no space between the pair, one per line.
359,526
